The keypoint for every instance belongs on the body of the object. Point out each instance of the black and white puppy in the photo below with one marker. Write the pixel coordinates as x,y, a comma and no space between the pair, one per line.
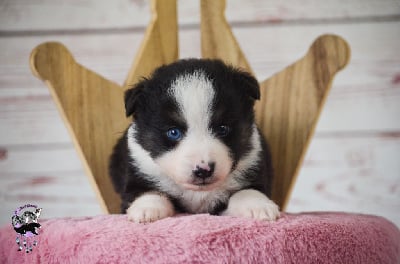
193,146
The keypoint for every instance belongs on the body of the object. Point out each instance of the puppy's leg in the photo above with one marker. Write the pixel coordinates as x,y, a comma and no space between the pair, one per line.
253,204
150,207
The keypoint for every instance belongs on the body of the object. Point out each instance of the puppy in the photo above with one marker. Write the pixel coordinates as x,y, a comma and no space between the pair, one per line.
193,146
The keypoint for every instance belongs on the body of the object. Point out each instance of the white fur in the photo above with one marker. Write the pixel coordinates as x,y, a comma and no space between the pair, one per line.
172,170
253,204
194,94
143,159
196,201
180,162
150,207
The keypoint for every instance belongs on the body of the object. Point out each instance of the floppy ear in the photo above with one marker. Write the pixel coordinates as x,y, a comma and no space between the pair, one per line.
249,84
133,96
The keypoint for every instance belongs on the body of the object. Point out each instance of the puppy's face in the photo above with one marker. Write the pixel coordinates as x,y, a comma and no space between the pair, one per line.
194,120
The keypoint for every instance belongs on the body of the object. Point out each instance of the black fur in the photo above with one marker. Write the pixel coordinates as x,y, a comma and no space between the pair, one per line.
31,227
155,112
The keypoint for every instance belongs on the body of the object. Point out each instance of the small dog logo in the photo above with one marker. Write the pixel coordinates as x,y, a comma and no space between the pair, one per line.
27,227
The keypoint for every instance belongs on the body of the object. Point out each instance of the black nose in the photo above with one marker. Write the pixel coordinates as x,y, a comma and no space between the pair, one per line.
204,173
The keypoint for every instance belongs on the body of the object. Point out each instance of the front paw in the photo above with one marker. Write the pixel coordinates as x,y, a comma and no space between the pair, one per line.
150,207
252,204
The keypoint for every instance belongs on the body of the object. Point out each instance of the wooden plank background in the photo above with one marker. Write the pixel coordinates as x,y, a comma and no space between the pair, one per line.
353,163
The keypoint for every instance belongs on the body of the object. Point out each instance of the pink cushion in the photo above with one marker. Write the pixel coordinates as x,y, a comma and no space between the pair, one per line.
299,238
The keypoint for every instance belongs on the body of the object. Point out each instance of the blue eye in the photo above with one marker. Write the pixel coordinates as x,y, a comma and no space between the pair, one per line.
222,130
174,134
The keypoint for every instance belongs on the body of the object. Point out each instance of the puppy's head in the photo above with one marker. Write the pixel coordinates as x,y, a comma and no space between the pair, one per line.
193,120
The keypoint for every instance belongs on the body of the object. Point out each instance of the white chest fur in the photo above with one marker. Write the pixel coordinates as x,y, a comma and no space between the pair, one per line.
202,202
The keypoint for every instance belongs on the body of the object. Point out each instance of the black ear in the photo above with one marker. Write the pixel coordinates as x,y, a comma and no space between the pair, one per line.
133,96
249,84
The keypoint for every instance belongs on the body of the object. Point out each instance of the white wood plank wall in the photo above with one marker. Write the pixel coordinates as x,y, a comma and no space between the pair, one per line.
353,163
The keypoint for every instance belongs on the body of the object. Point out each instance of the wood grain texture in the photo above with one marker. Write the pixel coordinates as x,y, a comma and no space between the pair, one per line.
217,39
92,106
363,178
355,146
92,109
290,100
88,16
290,104
160,44
61,193
365,96
367,164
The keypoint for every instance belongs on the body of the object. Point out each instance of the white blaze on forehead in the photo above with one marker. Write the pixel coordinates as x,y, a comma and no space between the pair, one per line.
172,170
194,94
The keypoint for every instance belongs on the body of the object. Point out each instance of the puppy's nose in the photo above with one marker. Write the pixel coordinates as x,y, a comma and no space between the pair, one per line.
204,171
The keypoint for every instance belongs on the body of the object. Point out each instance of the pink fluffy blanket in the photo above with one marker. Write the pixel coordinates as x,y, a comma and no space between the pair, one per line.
294,238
